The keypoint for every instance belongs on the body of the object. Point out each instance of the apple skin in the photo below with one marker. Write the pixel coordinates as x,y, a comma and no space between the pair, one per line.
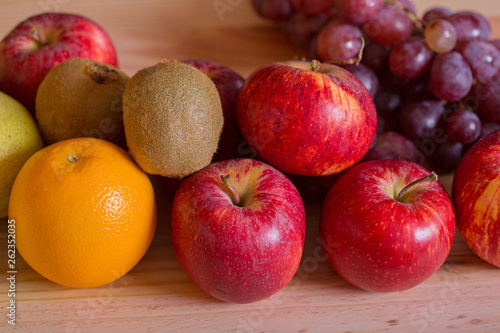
476,195
381,244
228,84
306,118
41,42
238,253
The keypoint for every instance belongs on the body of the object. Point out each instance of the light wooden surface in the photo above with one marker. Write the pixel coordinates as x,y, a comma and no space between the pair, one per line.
156,296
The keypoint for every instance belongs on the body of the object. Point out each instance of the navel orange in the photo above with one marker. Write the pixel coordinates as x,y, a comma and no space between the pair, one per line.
85,213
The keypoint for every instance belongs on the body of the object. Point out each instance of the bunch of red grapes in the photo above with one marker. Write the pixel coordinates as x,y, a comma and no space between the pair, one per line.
435,80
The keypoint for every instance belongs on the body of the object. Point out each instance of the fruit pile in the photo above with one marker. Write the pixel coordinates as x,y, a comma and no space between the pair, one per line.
84,207
434,79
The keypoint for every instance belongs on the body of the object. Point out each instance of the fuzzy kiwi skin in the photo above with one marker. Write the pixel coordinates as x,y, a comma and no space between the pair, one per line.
81,98
173,119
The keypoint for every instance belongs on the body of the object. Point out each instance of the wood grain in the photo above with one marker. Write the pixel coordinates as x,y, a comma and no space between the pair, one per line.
156,296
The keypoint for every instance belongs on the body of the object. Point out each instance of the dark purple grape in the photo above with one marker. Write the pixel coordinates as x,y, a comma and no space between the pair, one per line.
411,58
275,10
482,57
470,26
487,128
436,13
376,56
366,75
420,120
379,153
387,123
387,101
404,86
313,7
338,41
463,126
440,36
451,77
487,98
391,26
359,11
301,28
446,156
401,145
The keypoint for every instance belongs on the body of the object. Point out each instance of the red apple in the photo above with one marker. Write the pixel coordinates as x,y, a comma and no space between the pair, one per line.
238,229
43,41
306,118
228,84
381,231
476,195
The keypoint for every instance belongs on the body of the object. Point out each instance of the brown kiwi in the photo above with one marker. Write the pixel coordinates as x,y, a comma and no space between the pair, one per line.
81,98
173,119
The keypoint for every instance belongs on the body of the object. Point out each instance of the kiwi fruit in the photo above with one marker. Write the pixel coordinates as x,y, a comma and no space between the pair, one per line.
173,119
81,98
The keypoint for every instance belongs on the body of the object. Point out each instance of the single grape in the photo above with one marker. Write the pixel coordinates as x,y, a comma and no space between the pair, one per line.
487,128
301,28
387,123
451,77
387,102
440,36
411,58
359,11
487,97
401,145
404,86
424,94
376,56
366,75
470,26
313,7
339,40
495,43
275,10
379,153
390,27
420,120
482,57
446,156
463,126
436,13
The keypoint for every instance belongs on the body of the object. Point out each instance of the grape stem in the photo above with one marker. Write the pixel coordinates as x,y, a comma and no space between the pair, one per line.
352,61
432,176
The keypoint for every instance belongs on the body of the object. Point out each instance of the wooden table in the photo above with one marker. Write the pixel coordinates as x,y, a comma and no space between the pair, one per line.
464,295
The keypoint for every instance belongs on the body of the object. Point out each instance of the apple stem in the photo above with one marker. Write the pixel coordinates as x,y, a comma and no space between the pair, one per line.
39,36
315,64
230,189
432,176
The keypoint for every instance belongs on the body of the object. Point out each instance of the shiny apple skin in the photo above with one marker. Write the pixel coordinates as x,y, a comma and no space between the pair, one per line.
476,195
381,244
238,253
304,121
24,63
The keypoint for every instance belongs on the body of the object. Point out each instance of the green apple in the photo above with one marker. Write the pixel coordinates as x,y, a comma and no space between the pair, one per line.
19,139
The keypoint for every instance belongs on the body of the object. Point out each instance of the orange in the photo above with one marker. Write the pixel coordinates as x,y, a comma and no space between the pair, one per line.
84,212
